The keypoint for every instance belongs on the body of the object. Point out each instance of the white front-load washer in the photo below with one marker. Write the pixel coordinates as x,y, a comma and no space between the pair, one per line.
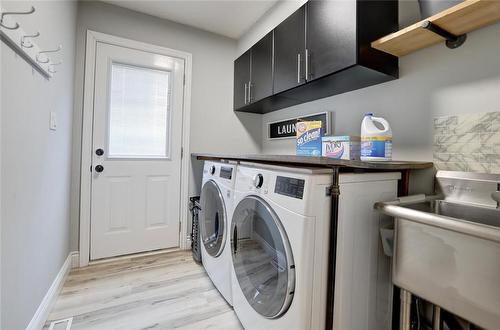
279,244
216,203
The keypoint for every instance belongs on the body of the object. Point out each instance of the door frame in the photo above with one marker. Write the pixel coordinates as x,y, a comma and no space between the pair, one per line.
92,39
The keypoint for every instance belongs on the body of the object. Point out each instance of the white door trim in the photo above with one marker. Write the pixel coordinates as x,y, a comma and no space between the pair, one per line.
88,116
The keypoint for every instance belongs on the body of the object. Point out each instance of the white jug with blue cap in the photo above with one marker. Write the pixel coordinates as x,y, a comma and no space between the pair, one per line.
376,139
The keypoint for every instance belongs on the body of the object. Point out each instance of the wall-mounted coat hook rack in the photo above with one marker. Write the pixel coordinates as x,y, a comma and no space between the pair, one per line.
26,44
452,41
46,60
16,26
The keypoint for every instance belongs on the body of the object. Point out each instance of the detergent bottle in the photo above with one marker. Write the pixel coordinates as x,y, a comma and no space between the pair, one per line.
376,140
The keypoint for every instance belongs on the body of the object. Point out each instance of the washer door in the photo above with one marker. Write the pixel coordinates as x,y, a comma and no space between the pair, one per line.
262,257
212,219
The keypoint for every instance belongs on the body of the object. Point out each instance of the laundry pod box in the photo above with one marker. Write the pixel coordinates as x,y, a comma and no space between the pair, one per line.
341,147
309,135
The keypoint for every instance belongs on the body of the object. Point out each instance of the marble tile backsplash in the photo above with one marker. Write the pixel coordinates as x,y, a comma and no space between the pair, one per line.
469,142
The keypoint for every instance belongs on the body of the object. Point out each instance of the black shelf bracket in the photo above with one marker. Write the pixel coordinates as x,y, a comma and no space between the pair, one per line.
452,41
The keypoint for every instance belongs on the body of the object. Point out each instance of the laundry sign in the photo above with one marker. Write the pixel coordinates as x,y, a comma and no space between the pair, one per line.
286,128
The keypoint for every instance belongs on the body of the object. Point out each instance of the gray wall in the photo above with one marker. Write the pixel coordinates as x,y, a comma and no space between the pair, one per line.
433,82
35,163
214,126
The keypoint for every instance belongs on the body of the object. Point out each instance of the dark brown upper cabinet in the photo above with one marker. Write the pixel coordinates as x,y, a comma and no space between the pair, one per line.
321,50
289,52
253,73
241,79
261,81
331,37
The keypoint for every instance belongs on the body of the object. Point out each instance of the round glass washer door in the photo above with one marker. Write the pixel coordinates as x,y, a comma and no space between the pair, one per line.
212,219
262,257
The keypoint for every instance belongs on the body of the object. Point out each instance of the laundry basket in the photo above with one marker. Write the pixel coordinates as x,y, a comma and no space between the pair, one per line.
194,207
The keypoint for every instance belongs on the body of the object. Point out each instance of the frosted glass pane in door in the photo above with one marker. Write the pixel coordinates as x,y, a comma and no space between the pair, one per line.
139,112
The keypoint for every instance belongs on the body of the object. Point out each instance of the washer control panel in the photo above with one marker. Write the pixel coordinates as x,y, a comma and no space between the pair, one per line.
290,187
226,172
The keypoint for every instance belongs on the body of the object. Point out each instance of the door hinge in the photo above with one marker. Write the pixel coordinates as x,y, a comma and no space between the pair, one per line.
184,80
182,152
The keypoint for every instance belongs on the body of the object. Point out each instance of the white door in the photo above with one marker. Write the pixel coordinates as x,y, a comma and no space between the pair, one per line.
136,160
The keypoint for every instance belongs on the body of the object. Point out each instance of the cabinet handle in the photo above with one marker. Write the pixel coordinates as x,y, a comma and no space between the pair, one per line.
249,92
246,94
307,64
298,69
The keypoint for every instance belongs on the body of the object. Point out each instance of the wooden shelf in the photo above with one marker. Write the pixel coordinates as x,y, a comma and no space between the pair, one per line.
460,19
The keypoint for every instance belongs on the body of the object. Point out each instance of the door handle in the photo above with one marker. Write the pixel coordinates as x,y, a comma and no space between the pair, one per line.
99,168
235,239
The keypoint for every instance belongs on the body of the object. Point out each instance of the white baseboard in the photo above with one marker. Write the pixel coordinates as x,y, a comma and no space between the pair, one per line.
41,314
75,259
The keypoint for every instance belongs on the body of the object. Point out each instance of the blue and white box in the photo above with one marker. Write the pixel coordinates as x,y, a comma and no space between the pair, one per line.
309,135
341,147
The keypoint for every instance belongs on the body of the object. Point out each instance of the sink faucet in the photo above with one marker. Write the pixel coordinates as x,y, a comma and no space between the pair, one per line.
496,196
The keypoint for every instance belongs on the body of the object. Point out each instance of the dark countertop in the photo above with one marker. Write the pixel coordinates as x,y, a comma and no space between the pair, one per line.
317,161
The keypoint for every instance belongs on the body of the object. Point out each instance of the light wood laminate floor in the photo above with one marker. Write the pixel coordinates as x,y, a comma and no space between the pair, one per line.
163,291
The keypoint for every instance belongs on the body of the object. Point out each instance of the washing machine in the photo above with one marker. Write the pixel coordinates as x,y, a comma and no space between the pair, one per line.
216,202
279,245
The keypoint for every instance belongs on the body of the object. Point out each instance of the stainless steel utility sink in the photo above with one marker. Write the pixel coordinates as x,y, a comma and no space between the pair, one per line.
447,247
462,212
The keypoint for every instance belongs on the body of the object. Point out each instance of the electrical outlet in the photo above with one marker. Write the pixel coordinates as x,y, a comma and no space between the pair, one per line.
53,121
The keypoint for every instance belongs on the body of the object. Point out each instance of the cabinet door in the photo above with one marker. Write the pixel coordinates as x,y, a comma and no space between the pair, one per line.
241,80
331,36
262,69
289,52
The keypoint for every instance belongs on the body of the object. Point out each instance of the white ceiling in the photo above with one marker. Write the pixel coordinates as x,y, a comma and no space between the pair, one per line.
230,18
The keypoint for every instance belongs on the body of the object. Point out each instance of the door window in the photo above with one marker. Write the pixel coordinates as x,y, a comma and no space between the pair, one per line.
262,258
139,112
213,219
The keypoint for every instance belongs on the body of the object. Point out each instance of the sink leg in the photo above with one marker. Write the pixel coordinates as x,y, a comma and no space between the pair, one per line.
404,318
436,318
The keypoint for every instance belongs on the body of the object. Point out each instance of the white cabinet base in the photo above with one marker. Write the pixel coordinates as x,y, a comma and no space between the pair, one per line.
363,286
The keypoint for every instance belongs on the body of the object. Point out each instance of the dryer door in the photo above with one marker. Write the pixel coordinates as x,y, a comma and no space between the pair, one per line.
262,257
212,219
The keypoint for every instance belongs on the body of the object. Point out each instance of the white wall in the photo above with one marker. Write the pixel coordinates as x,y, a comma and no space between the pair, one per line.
214,125
35,163
433,82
